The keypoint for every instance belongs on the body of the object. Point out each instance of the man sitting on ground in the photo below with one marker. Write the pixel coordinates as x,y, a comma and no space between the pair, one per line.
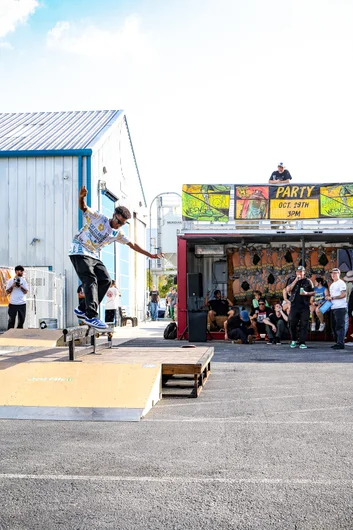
237,327
276,325
219,308
257,317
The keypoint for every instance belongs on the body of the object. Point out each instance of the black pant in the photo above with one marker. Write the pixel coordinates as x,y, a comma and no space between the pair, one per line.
110,316
299,315
281,330
14,310
339,324
242,334
95,280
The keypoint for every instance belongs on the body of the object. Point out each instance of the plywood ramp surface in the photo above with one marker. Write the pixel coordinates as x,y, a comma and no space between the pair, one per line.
79,390
158,355
31,337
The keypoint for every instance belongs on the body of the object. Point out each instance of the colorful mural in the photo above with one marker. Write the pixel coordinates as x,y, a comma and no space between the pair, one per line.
206,202
336,200
251,202
267,268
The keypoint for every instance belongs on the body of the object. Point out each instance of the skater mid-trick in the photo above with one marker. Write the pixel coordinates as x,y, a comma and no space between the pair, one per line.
98,232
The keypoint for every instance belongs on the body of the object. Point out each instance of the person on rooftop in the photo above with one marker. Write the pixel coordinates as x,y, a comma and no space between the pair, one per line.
281,176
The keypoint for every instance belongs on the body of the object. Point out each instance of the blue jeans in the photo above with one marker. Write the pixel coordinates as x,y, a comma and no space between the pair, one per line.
154,310
339,324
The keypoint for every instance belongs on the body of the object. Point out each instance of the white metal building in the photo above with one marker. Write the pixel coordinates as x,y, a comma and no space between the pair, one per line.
45,158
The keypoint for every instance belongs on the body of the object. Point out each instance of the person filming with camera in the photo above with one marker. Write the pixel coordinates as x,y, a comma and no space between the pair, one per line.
17,288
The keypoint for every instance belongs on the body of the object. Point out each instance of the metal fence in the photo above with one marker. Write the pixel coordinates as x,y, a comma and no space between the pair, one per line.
45,298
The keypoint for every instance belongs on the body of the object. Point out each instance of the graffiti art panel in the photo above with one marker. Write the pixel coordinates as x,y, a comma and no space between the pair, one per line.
205,202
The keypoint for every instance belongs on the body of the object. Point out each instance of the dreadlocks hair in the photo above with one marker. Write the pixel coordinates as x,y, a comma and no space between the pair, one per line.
124,212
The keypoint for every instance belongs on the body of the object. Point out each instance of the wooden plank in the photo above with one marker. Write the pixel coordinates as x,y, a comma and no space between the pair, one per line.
180,369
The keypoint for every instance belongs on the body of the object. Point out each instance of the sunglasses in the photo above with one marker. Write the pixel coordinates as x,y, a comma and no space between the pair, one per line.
119,220
261,303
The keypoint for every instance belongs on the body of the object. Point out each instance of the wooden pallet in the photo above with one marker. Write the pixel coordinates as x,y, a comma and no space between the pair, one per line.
175,361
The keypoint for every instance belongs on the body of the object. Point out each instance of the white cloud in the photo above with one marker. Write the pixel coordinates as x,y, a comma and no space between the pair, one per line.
15,12
5,45
94,42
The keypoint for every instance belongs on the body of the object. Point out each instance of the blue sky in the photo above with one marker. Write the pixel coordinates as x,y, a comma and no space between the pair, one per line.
214,90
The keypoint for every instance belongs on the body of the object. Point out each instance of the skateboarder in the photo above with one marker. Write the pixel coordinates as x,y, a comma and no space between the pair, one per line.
98,232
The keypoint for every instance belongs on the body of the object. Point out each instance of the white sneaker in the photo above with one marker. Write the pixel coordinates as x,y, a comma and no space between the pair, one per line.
322,326
313,327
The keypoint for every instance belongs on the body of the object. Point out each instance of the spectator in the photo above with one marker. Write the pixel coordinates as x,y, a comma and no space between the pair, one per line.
17,288
257,317
281,176
321,291
168,299
348,279
301,289
338,297
112,303
173,303
218,310
255,301
276,325
238,327
154,299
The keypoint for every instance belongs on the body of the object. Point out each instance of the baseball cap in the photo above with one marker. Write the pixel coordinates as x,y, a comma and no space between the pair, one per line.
336,270
280,164
300,268
244,316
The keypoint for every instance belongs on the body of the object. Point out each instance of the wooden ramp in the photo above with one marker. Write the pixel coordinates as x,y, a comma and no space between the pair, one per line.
118,384
31,337
194,361
78,391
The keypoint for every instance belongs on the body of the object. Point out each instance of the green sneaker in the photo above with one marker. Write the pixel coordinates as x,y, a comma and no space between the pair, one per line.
293,344
303,346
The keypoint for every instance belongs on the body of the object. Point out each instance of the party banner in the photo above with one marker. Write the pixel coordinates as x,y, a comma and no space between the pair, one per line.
206,202
294,202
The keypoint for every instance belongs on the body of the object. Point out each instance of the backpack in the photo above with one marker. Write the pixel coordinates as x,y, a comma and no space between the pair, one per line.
170,331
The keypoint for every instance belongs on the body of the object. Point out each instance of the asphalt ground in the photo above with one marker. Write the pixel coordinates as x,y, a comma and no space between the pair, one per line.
268,444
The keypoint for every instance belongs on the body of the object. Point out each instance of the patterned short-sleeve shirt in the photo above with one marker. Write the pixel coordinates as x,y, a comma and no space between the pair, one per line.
96,234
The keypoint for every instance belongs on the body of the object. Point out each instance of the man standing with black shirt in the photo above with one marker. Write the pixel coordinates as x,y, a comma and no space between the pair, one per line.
300,290
281,176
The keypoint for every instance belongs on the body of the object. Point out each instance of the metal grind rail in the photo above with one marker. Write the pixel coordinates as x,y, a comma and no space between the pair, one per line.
83,332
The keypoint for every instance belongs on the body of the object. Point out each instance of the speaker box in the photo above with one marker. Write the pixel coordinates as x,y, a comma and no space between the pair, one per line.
194,284
197,326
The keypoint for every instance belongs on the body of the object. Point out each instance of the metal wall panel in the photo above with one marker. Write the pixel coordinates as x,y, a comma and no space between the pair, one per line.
53,130
40,213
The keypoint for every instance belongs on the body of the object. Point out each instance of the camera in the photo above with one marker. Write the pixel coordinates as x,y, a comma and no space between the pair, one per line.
18,282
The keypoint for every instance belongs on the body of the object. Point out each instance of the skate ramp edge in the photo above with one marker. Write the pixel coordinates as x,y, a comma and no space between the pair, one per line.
32,337
79,391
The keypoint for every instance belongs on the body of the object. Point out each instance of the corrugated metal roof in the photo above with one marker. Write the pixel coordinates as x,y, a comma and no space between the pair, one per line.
34,131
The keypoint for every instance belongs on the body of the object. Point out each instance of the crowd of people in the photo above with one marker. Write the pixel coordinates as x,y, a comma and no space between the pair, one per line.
302,309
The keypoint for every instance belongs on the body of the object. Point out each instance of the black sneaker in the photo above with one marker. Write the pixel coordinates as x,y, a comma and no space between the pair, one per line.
278,342
338,347
270,341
